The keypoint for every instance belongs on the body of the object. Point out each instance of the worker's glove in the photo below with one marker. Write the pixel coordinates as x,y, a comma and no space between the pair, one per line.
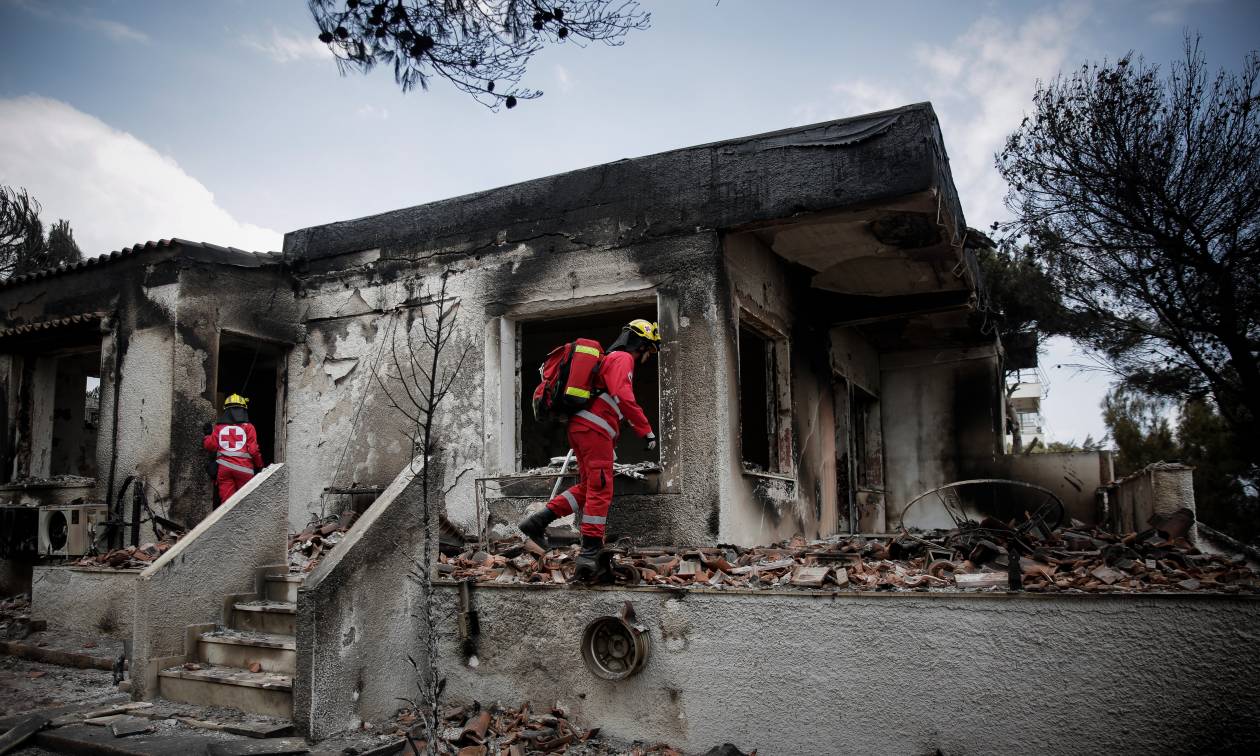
207,429
649,441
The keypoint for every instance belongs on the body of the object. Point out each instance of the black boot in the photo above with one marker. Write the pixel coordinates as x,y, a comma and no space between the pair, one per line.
534,527
587,562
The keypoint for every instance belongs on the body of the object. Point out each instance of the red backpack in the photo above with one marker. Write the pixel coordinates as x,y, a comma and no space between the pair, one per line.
568,379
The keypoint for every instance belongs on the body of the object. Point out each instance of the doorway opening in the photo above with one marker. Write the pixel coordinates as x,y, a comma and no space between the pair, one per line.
253,368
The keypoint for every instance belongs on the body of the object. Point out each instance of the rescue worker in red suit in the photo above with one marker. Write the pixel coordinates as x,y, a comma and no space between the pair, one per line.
235,444
592,435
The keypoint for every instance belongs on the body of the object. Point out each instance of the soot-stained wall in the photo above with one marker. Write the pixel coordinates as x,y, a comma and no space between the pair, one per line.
345,428
650,232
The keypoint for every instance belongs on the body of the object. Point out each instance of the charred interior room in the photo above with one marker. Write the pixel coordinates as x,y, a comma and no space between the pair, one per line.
58,374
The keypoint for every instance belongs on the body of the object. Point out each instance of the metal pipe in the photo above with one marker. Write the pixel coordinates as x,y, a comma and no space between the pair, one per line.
563,469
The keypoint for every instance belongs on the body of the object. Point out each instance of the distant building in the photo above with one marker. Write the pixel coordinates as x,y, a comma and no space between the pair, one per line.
1026,425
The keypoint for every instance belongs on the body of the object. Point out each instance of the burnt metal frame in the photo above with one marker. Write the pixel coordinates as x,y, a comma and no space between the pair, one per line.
953,505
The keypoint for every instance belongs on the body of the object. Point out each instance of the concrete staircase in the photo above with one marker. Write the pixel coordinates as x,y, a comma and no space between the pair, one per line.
258,635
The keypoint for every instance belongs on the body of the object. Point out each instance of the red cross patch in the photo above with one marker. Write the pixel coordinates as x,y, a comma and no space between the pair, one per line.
232,438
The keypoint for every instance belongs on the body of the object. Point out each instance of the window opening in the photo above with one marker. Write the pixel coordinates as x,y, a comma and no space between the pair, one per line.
757,409
540,442
75,414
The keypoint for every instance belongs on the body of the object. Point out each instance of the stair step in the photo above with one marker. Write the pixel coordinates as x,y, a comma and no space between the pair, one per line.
232,648
282,587
266,693
272,617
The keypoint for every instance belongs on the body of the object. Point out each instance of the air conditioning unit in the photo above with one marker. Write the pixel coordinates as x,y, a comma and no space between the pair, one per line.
72,529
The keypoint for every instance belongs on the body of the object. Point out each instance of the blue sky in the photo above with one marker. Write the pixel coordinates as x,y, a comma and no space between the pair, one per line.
228,121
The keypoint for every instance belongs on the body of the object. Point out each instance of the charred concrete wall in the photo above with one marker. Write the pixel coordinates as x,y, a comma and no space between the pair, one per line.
154,313
799,496
941,415
353,654
972,673
215,301
644,231
345,428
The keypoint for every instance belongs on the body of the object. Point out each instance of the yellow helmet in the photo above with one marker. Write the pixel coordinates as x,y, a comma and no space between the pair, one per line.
647,330
235,400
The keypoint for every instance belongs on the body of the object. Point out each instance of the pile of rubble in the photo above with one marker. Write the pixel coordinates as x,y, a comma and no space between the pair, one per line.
130,557
985,555
476,731
307,548
15,617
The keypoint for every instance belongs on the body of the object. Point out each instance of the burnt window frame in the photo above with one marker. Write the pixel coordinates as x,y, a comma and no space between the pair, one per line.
779,412
503,375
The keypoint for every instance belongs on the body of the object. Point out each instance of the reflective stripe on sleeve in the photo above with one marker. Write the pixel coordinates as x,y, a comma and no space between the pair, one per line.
598,421
594,520
612,402
236,467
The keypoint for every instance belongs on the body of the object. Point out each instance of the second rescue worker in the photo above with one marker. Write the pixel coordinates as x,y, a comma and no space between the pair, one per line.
235,444
592,434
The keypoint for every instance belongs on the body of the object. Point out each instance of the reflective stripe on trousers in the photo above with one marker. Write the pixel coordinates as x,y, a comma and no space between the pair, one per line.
236,467
593,493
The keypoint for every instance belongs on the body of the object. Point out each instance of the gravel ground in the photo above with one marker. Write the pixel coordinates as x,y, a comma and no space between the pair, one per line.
92,644
27,685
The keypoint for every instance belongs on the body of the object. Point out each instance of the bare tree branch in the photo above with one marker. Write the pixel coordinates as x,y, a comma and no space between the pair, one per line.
481,47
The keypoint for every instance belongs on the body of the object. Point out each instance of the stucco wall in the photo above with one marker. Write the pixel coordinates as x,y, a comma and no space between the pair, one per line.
187,584
1075,478
355,628
144,415
881,674
84,600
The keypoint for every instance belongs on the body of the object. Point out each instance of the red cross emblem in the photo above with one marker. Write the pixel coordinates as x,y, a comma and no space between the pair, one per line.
231,438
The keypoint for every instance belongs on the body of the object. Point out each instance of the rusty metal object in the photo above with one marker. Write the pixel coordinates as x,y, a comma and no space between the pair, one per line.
615,647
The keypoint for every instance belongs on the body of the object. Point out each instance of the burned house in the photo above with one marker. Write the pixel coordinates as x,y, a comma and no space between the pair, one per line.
826,360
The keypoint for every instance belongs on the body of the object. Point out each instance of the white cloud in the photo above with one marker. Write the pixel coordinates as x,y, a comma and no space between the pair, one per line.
114,189
564,79
984,95
981,83
289,47
1171,12
115,30
858,97
372,113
